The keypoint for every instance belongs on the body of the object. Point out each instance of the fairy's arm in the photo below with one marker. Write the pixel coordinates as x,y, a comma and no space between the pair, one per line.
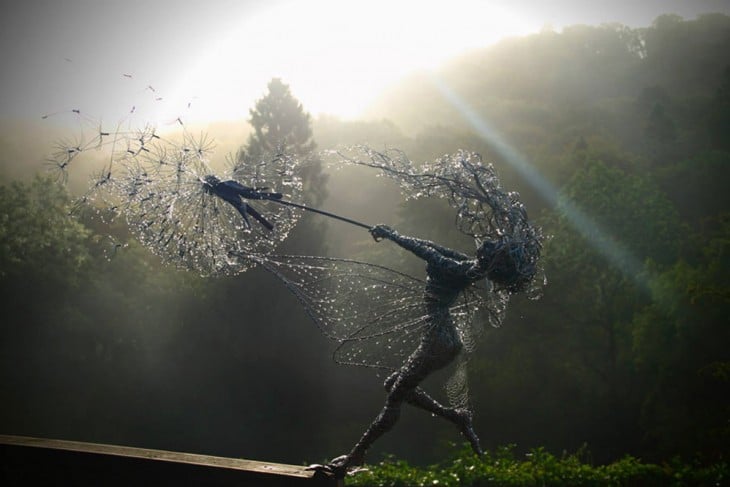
447,252
425,249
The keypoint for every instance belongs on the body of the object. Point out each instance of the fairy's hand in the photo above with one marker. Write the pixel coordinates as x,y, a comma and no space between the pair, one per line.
379,232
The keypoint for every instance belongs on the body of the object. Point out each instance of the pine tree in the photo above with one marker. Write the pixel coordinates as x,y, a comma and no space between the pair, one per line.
281,124
659,126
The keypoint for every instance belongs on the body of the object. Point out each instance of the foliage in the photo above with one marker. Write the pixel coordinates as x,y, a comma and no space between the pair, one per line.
37,236
503,468
616,201
44,255
680,347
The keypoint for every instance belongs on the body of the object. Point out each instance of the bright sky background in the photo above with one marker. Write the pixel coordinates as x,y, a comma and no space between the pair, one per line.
218,55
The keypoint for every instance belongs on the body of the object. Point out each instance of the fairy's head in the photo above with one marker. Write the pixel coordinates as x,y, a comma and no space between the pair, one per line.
509,264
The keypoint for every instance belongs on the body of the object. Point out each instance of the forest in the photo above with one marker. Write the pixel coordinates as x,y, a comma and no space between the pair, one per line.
616,138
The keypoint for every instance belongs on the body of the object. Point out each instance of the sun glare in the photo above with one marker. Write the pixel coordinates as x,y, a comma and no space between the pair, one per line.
336,55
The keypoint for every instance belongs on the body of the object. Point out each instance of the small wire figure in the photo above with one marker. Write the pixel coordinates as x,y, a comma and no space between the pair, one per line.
236,194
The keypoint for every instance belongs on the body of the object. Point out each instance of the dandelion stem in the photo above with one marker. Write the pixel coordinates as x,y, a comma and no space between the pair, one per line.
322,212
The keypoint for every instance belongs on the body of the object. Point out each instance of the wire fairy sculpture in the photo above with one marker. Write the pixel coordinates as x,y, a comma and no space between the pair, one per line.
225,223
425,324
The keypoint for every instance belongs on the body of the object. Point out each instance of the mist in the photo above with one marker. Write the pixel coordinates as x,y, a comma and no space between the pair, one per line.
626,121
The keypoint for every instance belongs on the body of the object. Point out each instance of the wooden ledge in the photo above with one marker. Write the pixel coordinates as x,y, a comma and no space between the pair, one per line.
41,461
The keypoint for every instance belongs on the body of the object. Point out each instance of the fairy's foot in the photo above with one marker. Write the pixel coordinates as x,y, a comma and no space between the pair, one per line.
339,466
464,420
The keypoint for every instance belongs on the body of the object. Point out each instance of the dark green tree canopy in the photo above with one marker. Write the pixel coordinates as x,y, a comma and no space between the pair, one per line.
39,243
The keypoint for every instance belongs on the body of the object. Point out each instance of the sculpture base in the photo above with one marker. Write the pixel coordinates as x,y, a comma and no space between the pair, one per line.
41,462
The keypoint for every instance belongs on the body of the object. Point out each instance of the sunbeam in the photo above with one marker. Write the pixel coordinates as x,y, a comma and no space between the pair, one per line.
611,247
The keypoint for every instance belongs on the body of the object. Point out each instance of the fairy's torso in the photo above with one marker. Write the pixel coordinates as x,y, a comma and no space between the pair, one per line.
445,282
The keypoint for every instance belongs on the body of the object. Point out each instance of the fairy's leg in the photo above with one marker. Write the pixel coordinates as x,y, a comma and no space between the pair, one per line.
461,417
437,349
416,368
408,379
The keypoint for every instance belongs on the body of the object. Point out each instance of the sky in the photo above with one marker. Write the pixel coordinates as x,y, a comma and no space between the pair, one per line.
208,60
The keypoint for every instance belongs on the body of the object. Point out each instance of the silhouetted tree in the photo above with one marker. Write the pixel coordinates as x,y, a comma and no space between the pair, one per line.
659,126
281,124
719,114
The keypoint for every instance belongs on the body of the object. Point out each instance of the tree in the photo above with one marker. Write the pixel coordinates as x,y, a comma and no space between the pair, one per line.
659,126
597,283
719,113
680,348
281,124
41,248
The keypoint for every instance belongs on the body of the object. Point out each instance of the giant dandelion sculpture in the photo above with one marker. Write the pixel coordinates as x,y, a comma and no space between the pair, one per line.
225,223
177,206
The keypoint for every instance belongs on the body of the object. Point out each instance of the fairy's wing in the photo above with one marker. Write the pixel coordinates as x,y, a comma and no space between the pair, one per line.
479,305
377,315
374,313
